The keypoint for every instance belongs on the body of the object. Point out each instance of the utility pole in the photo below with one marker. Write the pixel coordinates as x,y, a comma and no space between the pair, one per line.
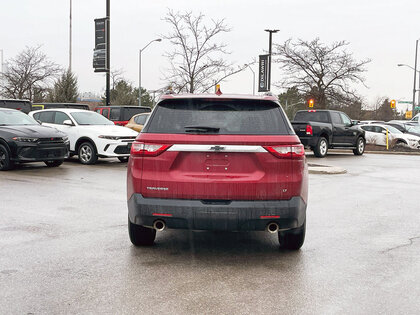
415,77
108,44
269,53
1,62
70,37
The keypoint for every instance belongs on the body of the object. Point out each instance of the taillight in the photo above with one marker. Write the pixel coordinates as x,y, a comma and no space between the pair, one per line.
286,151
148,149
309,130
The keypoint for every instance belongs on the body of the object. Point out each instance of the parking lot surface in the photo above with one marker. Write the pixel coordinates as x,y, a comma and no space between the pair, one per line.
64,248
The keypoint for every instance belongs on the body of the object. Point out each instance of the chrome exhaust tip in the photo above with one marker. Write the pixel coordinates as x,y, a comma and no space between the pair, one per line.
159,225
272,227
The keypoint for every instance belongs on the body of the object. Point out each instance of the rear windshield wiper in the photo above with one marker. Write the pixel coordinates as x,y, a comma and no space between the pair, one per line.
201,129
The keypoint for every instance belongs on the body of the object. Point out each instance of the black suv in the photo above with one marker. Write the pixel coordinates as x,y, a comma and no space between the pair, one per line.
22,139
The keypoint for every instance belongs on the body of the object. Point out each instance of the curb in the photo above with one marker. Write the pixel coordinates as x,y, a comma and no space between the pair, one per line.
377,152
325,169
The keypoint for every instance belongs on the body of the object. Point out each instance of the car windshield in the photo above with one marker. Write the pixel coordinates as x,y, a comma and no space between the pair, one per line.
90,118
393,129
14,117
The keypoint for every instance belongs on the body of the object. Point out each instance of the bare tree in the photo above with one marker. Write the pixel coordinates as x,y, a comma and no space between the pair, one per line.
29,73
116,76
197,62
323,72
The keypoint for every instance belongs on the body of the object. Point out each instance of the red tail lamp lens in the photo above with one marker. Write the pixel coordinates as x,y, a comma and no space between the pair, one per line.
286,151
148,149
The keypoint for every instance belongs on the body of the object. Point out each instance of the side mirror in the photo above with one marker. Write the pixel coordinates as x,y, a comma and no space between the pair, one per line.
68,122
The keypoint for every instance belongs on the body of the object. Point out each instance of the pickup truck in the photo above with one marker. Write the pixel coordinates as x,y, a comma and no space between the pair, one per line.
321,130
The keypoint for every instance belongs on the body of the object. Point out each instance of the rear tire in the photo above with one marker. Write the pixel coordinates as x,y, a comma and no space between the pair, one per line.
360,146
5,163
321,148
87,153
293,239
140,235
53,163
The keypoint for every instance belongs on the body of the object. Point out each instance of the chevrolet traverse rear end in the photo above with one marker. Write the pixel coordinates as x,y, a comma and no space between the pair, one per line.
210,162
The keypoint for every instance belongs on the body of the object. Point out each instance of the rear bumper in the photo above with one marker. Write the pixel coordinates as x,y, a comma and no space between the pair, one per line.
234,216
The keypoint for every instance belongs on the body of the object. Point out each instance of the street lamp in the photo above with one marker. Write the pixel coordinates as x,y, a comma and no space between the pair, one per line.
253,78
140,51
404,65
415,77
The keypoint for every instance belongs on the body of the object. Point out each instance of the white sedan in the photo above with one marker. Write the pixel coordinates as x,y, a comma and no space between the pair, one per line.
91,135
376,134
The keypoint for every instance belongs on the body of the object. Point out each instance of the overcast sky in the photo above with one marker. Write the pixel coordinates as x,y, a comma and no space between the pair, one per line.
384,31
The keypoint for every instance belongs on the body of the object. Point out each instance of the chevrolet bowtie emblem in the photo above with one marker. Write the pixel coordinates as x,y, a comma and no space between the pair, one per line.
217,148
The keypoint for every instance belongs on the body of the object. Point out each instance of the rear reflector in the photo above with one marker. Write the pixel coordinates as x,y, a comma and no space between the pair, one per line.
286,151
148,149
270,217
162,214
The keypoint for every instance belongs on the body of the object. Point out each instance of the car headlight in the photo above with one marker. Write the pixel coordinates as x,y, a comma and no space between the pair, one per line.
25,139
109,137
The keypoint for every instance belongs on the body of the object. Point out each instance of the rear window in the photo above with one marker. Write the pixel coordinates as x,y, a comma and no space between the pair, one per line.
127,113
253,117
23,106
115,114
312,116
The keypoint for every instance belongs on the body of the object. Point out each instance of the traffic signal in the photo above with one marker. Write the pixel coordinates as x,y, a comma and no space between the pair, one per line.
393,103
311,102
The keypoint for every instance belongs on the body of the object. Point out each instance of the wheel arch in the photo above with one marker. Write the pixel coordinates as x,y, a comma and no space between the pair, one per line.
82,140
4,143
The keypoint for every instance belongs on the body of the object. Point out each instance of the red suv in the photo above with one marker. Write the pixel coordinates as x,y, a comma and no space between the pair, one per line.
209,162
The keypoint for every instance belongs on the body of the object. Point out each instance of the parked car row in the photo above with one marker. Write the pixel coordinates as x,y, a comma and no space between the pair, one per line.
39,136
119,114
321,130
398,133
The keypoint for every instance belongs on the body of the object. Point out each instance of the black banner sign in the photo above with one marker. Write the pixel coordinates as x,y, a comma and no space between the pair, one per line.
263,74
99,53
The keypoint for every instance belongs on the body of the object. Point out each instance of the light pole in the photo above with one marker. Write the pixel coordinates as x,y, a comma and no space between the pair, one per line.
253,78
269,53
70,36
140,51
414,90
1,61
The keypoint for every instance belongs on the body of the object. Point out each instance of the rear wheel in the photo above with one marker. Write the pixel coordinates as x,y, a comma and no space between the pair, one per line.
140,235
87,153
5,163
292,239
321,148
360,146
53,163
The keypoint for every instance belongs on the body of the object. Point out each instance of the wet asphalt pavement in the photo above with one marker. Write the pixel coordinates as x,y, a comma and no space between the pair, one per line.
64,248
